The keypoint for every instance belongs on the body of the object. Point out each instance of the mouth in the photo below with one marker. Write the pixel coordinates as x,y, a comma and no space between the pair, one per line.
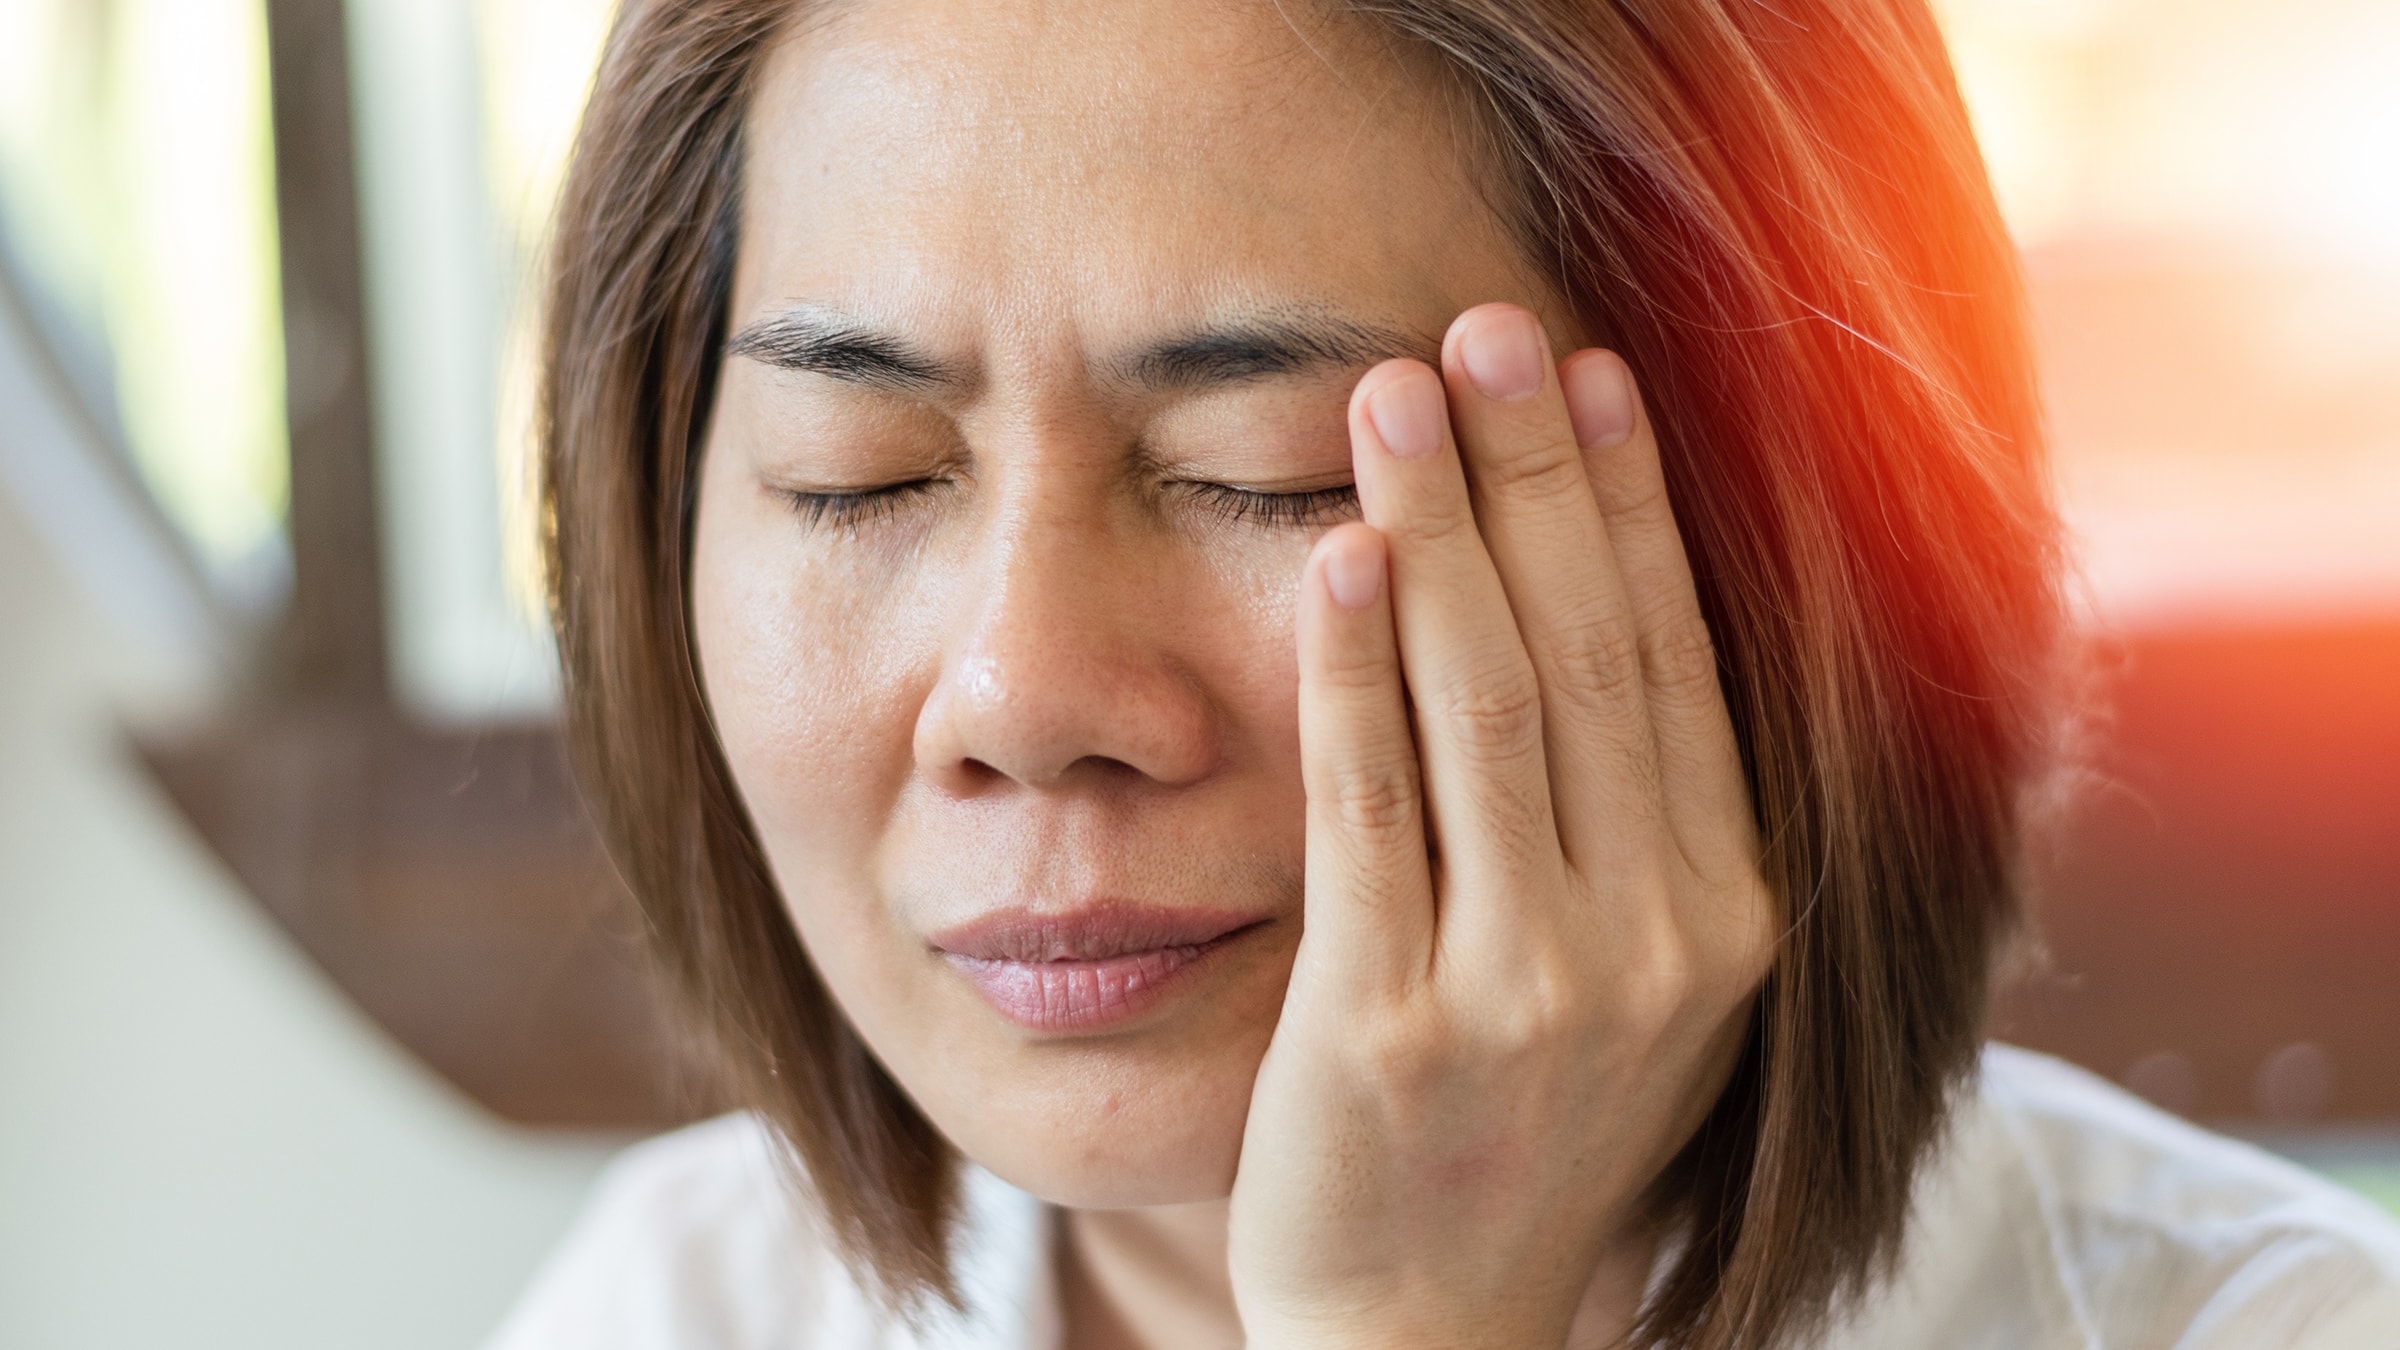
1091,968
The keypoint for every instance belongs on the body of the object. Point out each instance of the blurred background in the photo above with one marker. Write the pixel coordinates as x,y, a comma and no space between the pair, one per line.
316,1007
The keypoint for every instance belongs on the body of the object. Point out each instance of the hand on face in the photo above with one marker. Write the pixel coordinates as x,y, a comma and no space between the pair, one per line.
1535,915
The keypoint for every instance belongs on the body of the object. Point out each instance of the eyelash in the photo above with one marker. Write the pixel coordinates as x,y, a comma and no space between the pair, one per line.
849,510
1321,506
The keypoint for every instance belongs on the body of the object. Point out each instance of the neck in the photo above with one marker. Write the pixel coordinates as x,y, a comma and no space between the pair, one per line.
1156,1279
1147,1279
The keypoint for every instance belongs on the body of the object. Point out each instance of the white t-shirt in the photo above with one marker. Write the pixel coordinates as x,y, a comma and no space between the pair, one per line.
2060,1212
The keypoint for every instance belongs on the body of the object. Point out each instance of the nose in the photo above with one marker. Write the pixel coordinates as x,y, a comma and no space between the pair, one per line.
1063,670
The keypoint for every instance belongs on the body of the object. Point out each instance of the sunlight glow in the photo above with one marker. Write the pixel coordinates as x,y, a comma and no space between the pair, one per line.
2208,194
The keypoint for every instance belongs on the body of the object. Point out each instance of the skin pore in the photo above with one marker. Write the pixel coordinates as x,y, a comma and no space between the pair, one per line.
1044,318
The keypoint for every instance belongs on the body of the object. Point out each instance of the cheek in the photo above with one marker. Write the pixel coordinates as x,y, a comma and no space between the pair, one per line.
1251,602
813,682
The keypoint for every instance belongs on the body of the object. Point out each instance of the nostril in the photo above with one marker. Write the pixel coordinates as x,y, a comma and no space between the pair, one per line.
968,777
975,775
1105,767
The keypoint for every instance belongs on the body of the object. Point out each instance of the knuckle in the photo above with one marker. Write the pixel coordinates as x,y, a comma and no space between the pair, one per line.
1551,1003
1627,499
1374,798
1598,663
1539,472
1682,660
1494,718
1658,977
1661,986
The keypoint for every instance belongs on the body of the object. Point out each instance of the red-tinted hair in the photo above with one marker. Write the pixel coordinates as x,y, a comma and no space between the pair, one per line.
1777,214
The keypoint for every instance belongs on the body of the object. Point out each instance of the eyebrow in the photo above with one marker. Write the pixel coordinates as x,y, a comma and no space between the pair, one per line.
1232,351
1263,346
812,340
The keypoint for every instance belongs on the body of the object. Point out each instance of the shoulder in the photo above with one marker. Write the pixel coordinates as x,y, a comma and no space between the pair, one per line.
2065,1211
704,1238
692,1238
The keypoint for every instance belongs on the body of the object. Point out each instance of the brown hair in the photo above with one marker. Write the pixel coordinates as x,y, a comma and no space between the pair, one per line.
1777,214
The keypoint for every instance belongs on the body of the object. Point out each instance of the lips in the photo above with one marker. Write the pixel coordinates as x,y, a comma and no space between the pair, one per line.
1089,968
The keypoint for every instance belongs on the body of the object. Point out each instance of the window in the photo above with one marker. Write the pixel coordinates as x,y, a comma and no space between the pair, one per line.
136,183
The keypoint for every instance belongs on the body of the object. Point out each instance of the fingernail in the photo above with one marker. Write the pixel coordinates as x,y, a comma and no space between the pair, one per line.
1504,351
1355,576
1599,393
1408,413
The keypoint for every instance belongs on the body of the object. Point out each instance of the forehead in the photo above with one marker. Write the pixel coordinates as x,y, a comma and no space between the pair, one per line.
1105,160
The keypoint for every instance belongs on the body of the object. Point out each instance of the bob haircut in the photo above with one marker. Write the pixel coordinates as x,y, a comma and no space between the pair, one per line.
1778,216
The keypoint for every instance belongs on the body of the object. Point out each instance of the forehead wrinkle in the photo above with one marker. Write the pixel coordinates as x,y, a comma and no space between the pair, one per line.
1128,203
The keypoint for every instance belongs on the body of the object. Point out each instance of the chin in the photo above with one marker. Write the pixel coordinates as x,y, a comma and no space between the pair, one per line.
1169,1138
1151,1115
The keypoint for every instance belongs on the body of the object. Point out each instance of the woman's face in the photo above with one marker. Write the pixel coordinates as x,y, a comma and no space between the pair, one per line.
1044,320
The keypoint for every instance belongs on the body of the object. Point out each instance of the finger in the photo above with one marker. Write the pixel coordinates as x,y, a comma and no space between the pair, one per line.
1699,762
1369,897
1478,708
1547,539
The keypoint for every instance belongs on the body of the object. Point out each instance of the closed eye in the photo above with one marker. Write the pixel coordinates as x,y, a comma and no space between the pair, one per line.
1319,506
849,508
